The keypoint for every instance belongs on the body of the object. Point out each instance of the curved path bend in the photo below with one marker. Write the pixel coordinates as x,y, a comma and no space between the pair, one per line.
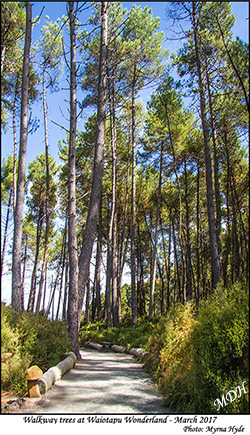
102,383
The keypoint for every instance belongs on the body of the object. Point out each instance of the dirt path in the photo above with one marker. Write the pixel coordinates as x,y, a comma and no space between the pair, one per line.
102,382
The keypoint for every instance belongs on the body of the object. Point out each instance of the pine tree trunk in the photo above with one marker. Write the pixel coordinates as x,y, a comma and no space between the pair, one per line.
188,255
31,302
124,239
215,260
15,146
18,215
45,256
72,318
198,273
65,298
177,280
95,197
87,317
98,265
133,209
152,282
45,288
24,268
216,167
183,258
115,298
62,270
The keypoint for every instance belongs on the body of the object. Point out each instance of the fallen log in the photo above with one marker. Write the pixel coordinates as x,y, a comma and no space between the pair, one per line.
140,353
55,373
95,346
118,349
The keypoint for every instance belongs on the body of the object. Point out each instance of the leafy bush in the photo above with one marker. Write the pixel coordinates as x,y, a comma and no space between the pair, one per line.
126,335
29,340
13,365
170,357
220,349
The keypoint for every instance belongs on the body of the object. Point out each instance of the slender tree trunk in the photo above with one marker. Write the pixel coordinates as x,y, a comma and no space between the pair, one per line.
65,298
152,282
18,215
72,240
177,280
95,197
198,234
15,146
45,288
53,289
109,272
133,209
24,268
98,265
188,256
31,302
183,258
87,317
5,231
115,296
215,260
216,167
45,256
124,240
63,269
168,269
167,263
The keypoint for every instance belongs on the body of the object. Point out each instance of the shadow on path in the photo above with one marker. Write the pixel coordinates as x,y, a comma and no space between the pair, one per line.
102,383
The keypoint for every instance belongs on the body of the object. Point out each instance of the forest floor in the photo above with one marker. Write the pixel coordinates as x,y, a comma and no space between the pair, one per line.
100,383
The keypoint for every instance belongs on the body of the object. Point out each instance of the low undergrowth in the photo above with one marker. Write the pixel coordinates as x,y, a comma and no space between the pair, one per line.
195,355
28,340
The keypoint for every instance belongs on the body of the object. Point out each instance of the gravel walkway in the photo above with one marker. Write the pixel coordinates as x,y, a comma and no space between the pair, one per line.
102,383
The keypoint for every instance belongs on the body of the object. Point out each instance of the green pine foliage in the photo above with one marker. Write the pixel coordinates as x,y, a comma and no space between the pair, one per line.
28,340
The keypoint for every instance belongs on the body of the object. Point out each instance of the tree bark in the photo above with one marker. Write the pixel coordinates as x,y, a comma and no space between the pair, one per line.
18,215
198,272
15,146
216,166
32,294
215,260
152,282
188,250
65,298
24,268
72,317
133,209
97,281
45,256
95,197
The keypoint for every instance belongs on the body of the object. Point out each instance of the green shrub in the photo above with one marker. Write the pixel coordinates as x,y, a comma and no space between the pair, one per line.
170,357
13,363
31,340
220,349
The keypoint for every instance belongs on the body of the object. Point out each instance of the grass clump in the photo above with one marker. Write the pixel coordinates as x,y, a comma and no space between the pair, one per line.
28,340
